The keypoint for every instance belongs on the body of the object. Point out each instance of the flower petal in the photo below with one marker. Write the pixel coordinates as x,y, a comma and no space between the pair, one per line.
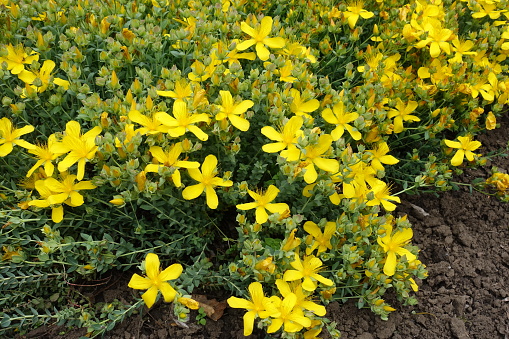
139,283
150,296
168,292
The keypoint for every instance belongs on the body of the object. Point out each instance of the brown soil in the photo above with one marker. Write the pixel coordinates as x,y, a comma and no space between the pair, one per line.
463,238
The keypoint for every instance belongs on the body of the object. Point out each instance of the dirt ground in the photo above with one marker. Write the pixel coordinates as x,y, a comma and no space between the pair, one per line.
464,241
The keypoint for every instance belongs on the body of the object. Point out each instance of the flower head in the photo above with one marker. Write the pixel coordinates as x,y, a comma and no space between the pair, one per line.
183,121
379,156
402,113
315,155
56,193
259,38
234,111
301,107
262,204
290,315
319,240
170,159
9,136
81,147
286,139
307,270
465,146
17,58
258,306
45,157
356,10
207,182
393,244
337,116
156,280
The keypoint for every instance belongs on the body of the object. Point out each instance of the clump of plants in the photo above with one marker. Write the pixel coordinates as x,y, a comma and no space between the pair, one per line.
258,147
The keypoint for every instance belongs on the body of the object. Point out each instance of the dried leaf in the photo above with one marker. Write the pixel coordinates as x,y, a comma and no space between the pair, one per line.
213,309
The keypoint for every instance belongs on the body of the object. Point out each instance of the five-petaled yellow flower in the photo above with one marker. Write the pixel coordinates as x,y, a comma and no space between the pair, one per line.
382,195
17,58
45,157
183,121
402,113
259,38
259,305
337,116
170,159
290,315
234,111
317,239
286,140
56,193
465,146
307,270
262,204
81,147
315,155
9,136
156,280
394,244
356,10
208,180
379,156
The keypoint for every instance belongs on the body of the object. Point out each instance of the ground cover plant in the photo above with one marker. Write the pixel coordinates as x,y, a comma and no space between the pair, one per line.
258,147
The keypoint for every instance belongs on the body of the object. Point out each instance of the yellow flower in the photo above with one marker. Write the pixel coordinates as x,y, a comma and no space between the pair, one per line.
262,204
436,39
302,298
300,107
82,147
392,244
150,124
286,139
307,270
465,147
382,195
355,11
379,156
56,193
208,180
44,75
285,72
312,156
402,113
67,191
181,92
319,240
259,38
156,280
182,121
461,48
17,58
258,306
488,8
45,157
233,56
233,112
9,136
338,117
170,159
290,315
